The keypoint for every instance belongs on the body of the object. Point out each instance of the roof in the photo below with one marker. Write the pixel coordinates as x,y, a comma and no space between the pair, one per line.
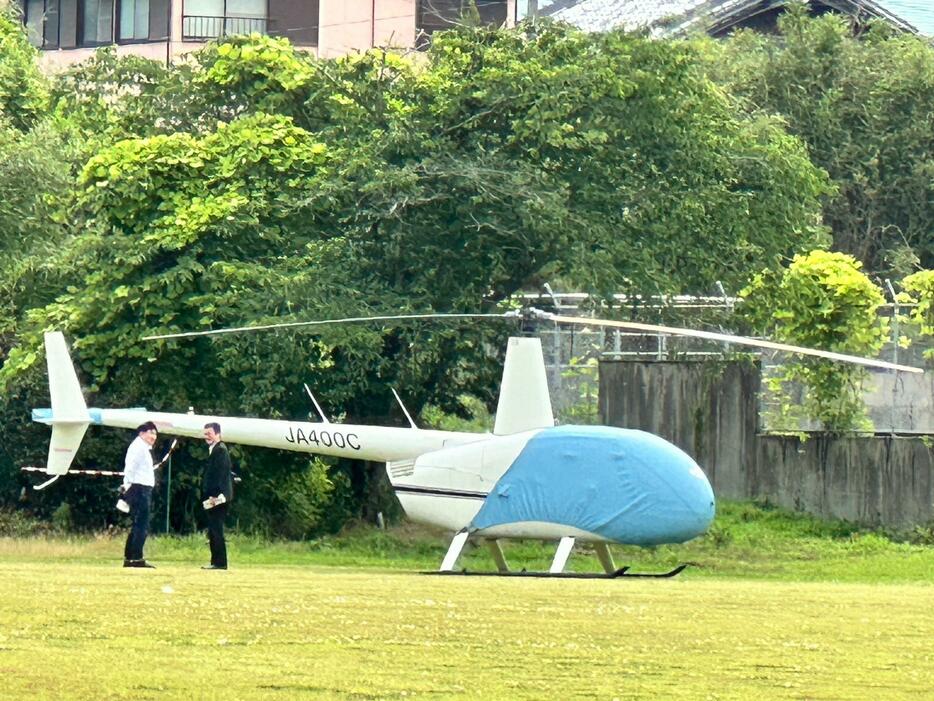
666,17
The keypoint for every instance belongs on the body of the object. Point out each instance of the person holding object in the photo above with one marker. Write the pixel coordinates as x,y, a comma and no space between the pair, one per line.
216,493
138,480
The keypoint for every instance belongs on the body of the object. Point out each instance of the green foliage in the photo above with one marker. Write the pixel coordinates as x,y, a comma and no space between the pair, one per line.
255,71
862,104
32,223
583,377
62,520
17,524
109,97
918,290
23,90
163,215
298,498
473,416
823,301
662,186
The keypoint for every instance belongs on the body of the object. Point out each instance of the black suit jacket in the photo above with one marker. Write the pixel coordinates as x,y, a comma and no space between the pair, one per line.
217,479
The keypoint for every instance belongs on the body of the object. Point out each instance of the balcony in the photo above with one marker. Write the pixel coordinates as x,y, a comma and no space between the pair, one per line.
202,27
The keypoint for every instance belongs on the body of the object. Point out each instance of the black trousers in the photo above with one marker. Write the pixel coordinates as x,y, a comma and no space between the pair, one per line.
216,518
139,498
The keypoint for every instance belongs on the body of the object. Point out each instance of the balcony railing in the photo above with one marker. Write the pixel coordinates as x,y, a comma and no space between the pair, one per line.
202,27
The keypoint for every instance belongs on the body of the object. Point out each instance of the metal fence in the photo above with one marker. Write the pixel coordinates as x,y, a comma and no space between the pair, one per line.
896,402
201,27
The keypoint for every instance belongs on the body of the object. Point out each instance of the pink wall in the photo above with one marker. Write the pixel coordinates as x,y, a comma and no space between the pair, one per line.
357,25
345,26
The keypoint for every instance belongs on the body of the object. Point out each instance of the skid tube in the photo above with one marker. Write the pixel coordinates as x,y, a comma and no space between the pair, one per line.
621,573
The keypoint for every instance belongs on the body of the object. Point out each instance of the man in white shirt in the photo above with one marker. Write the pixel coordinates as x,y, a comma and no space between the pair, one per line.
139,477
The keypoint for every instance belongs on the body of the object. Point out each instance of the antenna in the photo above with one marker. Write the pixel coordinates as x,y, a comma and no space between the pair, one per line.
324,419
404,410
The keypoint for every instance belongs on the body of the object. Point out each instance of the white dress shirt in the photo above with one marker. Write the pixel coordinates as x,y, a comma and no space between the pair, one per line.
137,469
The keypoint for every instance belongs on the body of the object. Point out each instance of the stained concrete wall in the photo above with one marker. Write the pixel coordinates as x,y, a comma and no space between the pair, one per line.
710,411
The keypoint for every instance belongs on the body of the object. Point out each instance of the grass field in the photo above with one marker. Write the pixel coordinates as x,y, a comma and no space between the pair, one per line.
779,608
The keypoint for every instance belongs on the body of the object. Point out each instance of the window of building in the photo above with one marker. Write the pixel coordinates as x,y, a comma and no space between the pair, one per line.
438,15
96,26
208,19
66,24
41,18
50,24
297,20
134,20
531,8
34,17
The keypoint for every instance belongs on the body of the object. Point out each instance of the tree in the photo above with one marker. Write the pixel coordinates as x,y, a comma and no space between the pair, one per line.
862,105
821,300
23,91
918,291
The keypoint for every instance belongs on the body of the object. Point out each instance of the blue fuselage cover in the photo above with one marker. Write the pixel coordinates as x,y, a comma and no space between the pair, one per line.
624,485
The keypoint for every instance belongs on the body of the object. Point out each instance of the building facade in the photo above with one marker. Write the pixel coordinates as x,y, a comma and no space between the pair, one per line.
70,31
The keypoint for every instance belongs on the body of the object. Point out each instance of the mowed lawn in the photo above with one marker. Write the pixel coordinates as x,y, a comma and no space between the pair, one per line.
92,630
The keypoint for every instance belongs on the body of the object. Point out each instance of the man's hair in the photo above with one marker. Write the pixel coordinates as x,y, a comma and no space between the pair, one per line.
148,426
213,425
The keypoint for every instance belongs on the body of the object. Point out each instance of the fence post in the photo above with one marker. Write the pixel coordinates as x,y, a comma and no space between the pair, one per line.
895,314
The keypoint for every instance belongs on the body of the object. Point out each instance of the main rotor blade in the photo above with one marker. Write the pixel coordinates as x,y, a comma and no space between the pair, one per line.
738,340
348,320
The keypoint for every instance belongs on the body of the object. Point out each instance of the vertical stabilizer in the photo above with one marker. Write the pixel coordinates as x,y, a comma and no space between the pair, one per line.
524,403
70,417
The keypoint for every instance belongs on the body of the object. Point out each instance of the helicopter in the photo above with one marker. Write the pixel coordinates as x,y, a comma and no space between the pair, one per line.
527,479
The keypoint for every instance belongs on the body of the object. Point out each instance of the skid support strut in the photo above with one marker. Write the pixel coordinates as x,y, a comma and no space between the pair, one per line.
454,551
561,555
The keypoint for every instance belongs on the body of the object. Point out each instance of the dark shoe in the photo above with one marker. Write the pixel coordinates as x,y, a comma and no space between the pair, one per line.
138,563
214,567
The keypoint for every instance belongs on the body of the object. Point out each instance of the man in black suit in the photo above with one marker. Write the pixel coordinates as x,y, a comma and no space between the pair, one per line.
217,493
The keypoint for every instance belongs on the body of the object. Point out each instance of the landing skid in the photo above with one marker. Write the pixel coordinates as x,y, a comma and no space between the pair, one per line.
565,546
622,572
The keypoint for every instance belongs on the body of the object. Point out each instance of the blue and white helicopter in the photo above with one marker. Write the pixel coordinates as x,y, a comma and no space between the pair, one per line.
526,479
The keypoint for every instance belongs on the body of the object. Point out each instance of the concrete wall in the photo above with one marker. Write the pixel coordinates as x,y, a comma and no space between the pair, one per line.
710,411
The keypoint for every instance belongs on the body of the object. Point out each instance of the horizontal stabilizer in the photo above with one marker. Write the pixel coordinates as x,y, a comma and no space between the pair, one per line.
62,448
